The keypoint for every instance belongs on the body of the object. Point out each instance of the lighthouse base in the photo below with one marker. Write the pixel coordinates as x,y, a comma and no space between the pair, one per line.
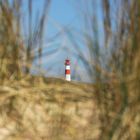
68,77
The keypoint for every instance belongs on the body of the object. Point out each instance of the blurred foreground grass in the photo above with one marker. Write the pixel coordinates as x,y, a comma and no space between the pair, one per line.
53,109
50,109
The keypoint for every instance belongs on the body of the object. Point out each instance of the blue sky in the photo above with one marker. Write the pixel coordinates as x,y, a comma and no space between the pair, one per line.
63,15
73,21
63,11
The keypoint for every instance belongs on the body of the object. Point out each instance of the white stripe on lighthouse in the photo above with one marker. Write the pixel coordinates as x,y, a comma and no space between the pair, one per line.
67,67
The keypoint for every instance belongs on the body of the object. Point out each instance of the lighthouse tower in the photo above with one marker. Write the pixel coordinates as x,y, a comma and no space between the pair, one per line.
67,70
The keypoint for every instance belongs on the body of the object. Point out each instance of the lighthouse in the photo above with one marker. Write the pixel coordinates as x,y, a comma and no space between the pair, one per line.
67,70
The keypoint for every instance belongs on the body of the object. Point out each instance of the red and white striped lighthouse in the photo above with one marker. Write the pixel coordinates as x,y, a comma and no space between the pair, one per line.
67,70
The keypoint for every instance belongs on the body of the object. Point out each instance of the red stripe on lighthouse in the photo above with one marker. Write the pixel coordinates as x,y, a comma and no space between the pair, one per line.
67,71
